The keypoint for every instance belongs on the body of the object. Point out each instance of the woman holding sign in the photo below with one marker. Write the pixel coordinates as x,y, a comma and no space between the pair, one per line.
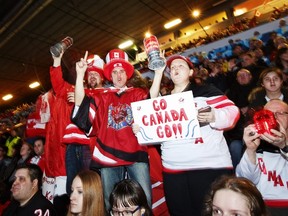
192,164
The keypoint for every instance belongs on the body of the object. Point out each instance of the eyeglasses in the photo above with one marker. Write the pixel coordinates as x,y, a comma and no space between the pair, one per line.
123,213
280,114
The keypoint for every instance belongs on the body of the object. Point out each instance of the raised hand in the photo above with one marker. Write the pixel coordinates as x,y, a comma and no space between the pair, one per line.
135,128
277,137
252,141
160,70
251,137
81,65
57,60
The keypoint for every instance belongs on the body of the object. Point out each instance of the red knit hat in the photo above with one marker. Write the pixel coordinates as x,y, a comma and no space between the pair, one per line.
172,58
95,63
117,58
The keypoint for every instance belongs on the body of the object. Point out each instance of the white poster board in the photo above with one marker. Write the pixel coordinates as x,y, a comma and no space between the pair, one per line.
166,118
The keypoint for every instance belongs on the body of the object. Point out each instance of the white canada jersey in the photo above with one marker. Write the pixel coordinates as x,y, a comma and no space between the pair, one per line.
270,174
209,151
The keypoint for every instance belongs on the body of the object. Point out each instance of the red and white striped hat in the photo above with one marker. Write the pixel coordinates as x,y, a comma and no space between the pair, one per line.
95,63
117,58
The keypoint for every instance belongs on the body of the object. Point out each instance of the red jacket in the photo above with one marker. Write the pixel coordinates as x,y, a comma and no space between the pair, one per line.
60,117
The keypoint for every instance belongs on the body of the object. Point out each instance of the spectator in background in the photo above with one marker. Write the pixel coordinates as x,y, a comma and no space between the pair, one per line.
283,27
233,66
201,75
276,14
218,77
39,158
281,61
260,58
249,62
26,153
239,95
232,44
265,161
4,160
12,140
280,42
137,81
270,48
238,50
128,198
253,43
257,35
7,171
234,196
21,155
86,196
285,9
26,193
271,81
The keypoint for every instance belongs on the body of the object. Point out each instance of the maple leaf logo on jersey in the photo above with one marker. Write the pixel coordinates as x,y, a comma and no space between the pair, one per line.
31,123
119,116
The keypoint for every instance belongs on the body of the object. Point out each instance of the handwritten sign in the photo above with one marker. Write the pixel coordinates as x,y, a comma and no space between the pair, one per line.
166,118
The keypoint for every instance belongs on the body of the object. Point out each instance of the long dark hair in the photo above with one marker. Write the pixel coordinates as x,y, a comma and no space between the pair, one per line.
128,193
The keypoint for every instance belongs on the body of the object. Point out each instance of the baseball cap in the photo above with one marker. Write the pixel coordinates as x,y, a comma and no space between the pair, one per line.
117,58
95,63
172,58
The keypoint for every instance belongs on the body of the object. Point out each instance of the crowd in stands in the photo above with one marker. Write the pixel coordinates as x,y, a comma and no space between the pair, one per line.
252,74
238,25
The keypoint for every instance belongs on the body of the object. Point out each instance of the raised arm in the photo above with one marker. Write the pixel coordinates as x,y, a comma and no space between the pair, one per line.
57,60
59,85
155,88
252,140
81,67
248,166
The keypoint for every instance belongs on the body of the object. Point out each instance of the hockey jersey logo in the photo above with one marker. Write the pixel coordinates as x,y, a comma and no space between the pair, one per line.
119,116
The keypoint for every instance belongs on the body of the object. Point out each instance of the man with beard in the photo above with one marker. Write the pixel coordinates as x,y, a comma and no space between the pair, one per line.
65,138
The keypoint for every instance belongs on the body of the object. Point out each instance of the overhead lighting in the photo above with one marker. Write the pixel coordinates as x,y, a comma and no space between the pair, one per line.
7,97
147,34
34,85
195,13
172,23
125,44
239,12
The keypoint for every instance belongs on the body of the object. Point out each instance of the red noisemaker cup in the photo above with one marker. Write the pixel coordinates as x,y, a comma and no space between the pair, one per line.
61,46
155,61
264,121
